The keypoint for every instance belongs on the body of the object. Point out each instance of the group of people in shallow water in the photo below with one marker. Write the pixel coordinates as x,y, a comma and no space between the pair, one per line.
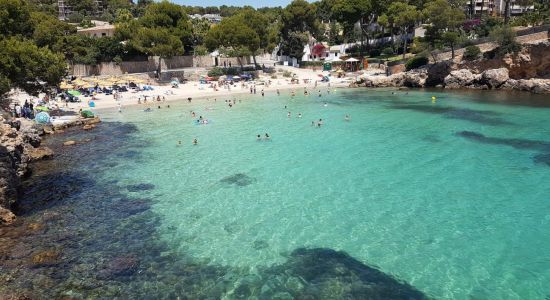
266,136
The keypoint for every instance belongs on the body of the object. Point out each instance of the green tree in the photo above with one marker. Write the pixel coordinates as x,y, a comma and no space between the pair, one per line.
157,42
15,18
169,16
451,39
26,66
298,20
234,38
200,29
350,12
404,17
445,22
50,32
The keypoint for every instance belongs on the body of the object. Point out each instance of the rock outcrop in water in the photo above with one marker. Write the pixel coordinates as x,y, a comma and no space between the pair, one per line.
17,149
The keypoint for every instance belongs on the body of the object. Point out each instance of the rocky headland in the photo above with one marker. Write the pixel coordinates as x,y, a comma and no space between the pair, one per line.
529,70
20,146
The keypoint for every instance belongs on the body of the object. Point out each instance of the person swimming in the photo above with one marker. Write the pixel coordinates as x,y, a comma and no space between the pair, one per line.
347,117
148,109
325,105
267,137
179,143
320,123
195,142
259,137
193,114
288,115
299,115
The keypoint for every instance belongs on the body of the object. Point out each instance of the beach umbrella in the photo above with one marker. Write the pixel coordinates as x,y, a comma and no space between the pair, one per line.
74,92
42,118
41,108
79,82
65,86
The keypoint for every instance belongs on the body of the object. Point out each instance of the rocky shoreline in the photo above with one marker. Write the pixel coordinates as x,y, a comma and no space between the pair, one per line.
19,147
527,71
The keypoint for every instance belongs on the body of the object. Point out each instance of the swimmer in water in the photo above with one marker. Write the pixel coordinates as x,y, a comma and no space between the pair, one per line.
195,142
193,114
325,105
347,117
267,137
299,115
320,122
259,137
179,143
288,115
158,107
278,92
312,123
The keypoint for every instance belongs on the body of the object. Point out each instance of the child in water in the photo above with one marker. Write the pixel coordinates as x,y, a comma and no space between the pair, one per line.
195,142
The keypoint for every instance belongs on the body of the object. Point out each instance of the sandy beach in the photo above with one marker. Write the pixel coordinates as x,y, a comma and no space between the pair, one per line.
195,90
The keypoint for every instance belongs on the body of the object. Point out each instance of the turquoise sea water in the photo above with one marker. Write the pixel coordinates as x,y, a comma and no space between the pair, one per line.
451,196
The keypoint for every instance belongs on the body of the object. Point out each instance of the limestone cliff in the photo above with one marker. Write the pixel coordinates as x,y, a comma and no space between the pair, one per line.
533,61
529,71
17,149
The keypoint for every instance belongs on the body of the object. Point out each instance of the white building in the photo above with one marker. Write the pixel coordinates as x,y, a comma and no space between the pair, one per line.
212,18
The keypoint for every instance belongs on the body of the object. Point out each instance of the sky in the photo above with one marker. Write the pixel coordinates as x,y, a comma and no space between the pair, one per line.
254,3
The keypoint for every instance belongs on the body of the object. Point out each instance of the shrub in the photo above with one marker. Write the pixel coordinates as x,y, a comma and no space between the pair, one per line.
387,51
374,53
215,72
230,71
505,38
75,18
273,76
287,74
201,50
416,62
471,53
117,59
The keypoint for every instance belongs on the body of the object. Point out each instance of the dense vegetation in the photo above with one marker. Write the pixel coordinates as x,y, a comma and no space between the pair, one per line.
35,45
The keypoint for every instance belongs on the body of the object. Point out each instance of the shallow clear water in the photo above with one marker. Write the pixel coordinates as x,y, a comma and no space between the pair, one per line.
451,196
